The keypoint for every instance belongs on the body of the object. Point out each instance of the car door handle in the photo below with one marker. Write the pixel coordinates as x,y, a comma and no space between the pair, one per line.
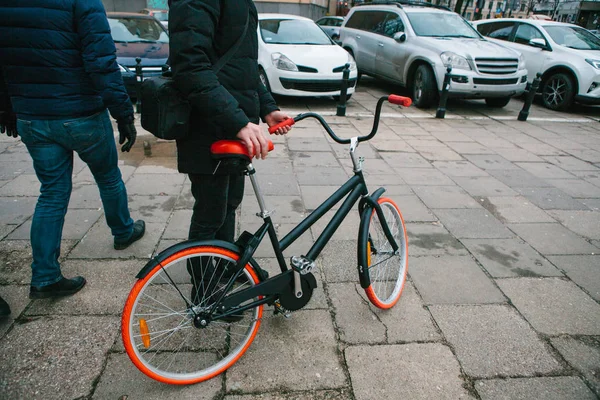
358,36
380,44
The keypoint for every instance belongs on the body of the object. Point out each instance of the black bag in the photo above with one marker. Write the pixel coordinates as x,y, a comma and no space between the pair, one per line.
165,112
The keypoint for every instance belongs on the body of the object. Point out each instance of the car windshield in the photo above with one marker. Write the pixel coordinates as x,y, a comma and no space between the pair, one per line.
136,30
292,31
161,15
441,25
573,37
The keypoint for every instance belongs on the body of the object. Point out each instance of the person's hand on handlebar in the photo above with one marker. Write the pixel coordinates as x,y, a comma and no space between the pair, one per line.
254,140
275,118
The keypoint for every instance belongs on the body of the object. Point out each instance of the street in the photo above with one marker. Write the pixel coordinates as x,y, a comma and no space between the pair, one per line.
503,295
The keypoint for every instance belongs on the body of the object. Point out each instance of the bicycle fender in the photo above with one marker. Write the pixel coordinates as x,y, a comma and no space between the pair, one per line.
363,233
153,262
365,206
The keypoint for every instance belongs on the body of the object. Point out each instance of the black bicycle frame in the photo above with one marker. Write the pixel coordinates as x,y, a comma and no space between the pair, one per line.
355,188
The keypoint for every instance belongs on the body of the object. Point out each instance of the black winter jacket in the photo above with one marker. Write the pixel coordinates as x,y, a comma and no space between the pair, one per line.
58,60
201,31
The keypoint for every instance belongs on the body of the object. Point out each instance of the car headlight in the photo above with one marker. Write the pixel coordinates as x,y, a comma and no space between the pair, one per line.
521,62
282,62
593,63
351,62
454,60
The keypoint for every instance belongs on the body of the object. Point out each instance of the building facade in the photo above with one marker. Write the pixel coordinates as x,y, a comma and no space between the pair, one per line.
313,9
583,13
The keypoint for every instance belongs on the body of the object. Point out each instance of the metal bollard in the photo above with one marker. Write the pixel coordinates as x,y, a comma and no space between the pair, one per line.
139,78
441,111
533,88
147,148
341,108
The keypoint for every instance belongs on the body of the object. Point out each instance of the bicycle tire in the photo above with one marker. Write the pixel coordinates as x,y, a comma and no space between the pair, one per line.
383,272
221,343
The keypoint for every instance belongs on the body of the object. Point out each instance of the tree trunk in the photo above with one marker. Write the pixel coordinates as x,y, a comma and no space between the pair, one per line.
464,11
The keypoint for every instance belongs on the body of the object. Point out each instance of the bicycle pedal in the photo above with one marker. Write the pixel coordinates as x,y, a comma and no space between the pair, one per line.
302,264
280,310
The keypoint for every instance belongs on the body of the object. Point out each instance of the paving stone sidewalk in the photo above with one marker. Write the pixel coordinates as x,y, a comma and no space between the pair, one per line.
503,296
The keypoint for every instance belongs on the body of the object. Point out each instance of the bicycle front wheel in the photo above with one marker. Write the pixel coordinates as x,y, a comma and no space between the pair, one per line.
381,267
167,326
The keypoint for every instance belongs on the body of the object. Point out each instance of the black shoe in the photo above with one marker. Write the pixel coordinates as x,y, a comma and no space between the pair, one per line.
64,287
4,308
139,228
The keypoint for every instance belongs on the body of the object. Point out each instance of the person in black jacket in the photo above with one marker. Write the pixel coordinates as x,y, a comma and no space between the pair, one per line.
226,105
58,76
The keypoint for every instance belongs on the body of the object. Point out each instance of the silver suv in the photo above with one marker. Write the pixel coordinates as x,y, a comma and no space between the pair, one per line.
413,43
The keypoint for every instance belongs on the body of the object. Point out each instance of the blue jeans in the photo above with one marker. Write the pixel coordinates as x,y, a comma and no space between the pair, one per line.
51,144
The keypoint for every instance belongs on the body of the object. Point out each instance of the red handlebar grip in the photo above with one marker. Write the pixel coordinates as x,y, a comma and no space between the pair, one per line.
287,122
400,100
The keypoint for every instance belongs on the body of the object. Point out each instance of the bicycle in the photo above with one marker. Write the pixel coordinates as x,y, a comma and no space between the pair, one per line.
180,338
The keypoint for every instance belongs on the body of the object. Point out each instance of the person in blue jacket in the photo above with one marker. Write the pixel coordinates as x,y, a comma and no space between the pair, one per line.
58,77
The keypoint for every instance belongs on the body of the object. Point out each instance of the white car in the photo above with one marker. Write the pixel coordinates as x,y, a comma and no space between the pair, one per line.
296,58
567,56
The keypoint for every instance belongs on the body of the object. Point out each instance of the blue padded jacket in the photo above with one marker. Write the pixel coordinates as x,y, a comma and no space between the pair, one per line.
58,60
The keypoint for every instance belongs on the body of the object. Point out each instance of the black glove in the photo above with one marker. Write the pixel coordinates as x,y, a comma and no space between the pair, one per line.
8,123
126,131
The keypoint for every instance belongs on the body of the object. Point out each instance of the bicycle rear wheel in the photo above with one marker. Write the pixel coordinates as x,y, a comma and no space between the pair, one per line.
167,329
384,269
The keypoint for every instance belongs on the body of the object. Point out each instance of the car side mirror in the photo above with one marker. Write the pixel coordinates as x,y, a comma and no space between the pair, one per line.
399,37
539,43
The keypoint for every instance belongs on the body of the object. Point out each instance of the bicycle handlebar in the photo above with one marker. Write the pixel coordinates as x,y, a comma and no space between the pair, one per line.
394,99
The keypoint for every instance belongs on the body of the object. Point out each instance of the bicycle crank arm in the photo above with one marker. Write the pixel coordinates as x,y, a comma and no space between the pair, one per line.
297,285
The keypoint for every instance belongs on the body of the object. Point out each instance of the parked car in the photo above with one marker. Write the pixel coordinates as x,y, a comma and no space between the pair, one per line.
540,17
161,15
567,56
296,58
412,45
331,26
138,35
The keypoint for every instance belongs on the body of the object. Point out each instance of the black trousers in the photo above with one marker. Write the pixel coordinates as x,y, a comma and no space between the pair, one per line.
216,199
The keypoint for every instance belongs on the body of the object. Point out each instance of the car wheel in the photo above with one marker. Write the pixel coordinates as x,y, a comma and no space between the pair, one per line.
558,92
497,102
263,78
424,88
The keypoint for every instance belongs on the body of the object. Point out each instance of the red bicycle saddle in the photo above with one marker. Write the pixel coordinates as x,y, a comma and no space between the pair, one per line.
232,149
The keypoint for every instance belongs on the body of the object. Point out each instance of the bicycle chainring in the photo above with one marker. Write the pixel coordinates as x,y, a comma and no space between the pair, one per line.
288,299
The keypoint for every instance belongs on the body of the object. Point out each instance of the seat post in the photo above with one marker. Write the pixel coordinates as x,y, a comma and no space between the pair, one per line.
251,172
